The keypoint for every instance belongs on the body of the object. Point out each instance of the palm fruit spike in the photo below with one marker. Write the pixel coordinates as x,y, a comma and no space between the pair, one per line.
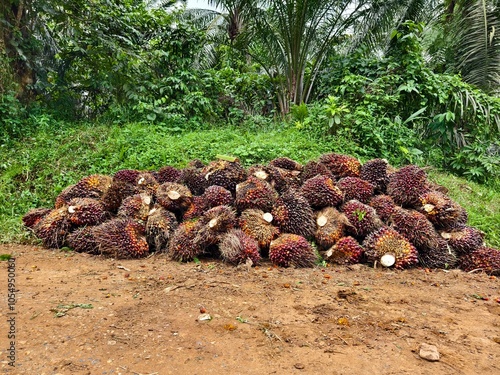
375,172
236,247
86,211
356,188
362,218
174,197
275,176
416,228
121,238
341,165
255,193
168,174
82,240
383,205
407,185
214,223
313,168
93,186
292,250
442,256
217,196
389,248
147,183
53,228
33,216
465,240
286,163
484,258
293,214
346,251
196,209
182,246
331,226
224,173
136,207
127,175
320,191
442,211
160,226
194,180
257,224
122,186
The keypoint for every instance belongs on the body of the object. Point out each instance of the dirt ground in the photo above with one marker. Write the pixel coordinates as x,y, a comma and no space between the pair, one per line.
81,314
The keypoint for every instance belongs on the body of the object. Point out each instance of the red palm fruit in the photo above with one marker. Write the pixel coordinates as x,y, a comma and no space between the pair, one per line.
225,173
443,212
182,246
356,188
168,174
236,247
194,180
33,216
375,172
314,168
362,218
293,214
407,185
383,205
174,197
83,240
147,183
255,193
93,186
160,227
286,163
86,211
483,258
122,186
331,226
214,223
127,175
292,250
217,196
341,165
389,248
320,191
136,207
196,209
53,228
464,241
121,238
257,224
345,251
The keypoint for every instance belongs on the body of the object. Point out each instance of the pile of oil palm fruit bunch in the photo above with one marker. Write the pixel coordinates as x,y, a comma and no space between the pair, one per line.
333,209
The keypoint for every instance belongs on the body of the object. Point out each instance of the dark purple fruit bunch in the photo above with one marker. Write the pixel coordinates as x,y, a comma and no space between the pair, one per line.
214,224
292,250
136,207
182,246
122,186
320,191
442,256
314,168
93,186
276,177
389,248
121,238
87,211
160,227
443,212
236,247
345,251
286,163
407,185
257,224
293,214
341,165
217,196
83,240
53,228
255,193
168,174
383,205
465,240
196,209
194,180
225,173
362,218
355,188
375,172
484,258
174,197
330,227
33,216
147,183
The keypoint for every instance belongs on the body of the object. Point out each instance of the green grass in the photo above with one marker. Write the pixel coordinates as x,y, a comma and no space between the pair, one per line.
34,170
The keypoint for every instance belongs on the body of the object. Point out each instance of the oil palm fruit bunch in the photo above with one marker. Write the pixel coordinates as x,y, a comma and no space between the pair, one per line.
236,247
123,185
160,227
355,188
255,193
341,165
384,206
330,227
54,227
465,240
168,174
93,186
82,240
292,214
216,195
320,191
147,183
33,216
362,218
272,175
213,224
442,211
375,172
196,209
389,248
136,207
286,163
257,225
442,256
483,258
407,185
345,251
194,180
313,168
86,211
225,173
292,250
121,238
174,197
182,246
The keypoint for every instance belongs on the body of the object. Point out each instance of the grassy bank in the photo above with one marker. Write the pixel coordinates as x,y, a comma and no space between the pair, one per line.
35,169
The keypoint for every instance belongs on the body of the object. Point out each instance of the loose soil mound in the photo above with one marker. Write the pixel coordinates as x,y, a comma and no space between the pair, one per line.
336,320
